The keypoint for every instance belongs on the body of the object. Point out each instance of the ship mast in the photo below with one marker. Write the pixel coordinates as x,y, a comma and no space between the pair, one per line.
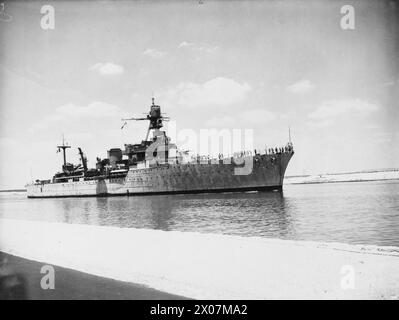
290,145
154,116
63,147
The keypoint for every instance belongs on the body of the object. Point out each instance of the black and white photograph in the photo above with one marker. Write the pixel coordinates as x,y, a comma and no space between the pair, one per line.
199,150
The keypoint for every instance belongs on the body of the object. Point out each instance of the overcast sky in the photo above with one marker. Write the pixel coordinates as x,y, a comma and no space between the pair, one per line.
228,64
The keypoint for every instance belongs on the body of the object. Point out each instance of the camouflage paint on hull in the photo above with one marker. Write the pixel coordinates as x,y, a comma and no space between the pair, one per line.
266,173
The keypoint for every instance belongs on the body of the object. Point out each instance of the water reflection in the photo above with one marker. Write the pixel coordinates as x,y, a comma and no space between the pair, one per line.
347,212
161,212
265,213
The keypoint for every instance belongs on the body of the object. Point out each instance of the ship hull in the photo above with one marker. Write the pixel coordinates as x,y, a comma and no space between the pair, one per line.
258,173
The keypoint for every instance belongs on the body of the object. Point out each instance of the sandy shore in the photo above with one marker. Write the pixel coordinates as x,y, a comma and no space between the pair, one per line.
70,284
209,266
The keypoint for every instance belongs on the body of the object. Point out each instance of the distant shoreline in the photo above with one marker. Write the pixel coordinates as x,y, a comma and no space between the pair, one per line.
343,181
361,176
13,190
340,173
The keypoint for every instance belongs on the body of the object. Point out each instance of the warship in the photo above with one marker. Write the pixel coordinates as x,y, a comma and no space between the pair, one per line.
157,166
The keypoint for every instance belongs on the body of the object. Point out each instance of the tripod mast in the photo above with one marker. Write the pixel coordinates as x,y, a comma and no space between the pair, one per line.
63,147
154,116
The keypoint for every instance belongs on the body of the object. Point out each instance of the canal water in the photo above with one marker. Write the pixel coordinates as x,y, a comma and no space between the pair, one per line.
355,212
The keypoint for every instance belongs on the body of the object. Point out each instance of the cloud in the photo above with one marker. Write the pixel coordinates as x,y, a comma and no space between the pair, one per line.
96,109
199,47
301,87
334,108
218,92
221,122
257,116
185,44
320,123
153,53
7,143
243,119
80,136
208,49
107,68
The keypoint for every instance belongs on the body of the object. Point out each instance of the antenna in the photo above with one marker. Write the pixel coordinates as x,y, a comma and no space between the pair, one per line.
63,147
